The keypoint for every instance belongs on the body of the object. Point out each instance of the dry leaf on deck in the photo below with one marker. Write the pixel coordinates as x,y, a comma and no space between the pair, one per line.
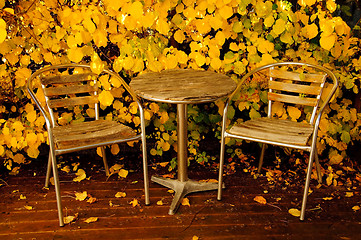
70,219
120,194
123,173
91,199
349,194
294,212
27,207
91,219
160,203
81,175
260,199
356,208
209,181
81,196
185,202
134,203
163,164
327,198
22,197
195,238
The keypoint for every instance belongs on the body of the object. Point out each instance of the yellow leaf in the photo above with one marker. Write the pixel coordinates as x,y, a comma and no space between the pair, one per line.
279,27
115,149
294,212
27,207
349,194
327,42
123,173
195,238
356,208
185,202
163,164
136,10
226,12
22,197
106,98
260,199
70,219
3,32
134,203
81,196
89,25
327,198
160,202
294,112
81,175
91,219
120,194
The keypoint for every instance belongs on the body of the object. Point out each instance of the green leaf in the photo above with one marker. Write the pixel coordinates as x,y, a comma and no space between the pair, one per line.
345,137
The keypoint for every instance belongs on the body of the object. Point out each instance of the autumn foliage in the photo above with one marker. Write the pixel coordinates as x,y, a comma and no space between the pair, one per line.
131,37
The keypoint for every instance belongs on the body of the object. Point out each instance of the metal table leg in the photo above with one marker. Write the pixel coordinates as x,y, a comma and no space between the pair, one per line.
182,186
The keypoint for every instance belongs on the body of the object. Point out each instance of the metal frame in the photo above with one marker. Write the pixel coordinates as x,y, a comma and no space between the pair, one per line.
50,123
314,121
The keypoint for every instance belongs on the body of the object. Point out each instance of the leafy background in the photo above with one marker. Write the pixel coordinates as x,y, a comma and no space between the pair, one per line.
132,37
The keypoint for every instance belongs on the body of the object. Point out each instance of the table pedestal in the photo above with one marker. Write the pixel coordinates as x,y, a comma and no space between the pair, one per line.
182,186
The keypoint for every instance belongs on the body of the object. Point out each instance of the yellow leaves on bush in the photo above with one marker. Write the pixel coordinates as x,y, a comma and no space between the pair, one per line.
310,31
226,12
331,5
269,21
3,32
305,3
179,36
106,98
294,113
21,76
327,42
162,26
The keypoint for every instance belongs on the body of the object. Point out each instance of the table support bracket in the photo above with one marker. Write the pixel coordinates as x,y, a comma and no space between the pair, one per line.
182,188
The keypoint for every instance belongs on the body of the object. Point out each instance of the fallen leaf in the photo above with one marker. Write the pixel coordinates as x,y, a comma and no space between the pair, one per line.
22,197
327,198
349,194
170,175
170,191
123,173
116,168
160,203
70,219
81,196
185,202
163,164
294,212
66,169
195,238
91,219
134,203
356,208
260,199
120,194
91,199
209,180
27,207
81,175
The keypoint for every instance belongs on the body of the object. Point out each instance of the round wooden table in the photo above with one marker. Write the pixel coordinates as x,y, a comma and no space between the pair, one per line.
182,87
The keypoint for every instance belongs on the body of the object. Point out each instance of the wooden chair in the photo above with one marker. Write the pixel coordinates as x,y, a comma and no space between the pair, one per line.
66,87
292,84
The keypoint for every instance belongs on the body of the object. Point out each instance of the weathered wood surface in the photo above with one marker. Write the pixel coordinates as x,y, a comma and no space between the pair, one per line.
237,216
284,131
183,86
91,133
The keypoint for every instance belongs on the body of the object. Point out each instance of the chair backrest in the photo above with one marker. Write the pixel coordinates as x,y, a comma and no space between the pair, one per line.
70,87
301,88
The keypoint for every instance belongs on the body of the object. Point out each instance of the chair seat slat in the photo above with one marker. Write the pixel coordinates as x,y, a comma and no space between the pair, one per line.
65,90
88,133
306,77
284,131
66,102
292,99
60,79
296,88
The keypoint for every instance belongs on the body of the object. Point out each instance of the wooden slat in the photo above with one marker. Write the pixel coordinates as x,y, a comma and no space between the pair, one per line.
87,133
67,78
64,90
307,77
292,99
296,88
66,102
283,131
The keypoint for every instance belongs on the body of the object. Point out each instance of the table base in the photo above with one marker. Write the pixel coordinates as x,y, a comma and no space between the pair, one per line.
182,188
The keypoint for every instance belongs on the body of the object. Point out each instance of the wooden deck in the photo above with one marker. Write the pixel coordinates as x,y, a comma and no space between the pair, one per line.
237,216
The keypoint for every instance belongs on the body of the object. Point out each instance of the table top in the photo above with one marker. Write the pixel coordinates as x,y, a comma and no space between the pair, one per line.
182,86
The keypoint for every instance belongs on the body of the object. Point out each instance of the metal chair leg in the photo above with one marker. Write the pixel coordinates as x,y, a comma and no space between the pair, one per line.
57,189
48,172
145,170
307,184
221,165
106,167
318,168
261,157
